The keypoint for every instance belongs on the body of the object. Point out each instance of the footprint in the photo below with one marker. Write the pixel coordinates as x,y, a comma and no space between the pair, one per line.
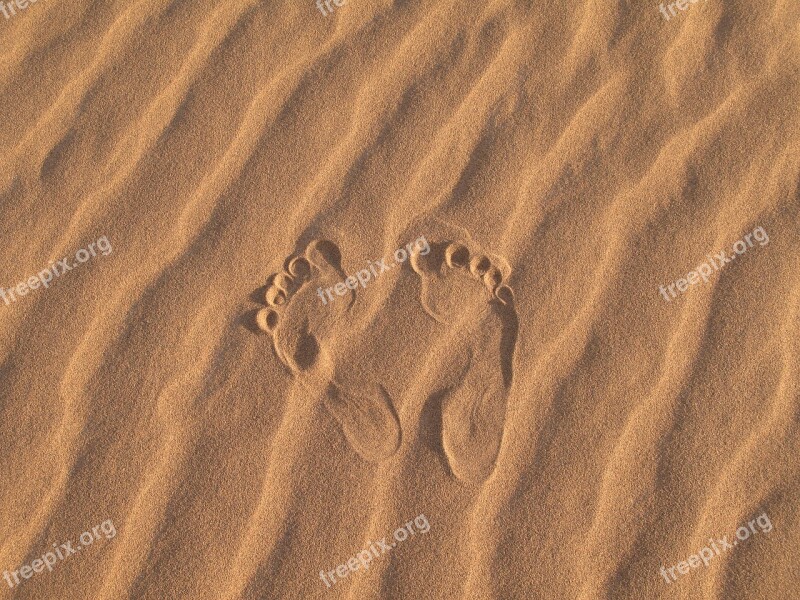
304,323
464,289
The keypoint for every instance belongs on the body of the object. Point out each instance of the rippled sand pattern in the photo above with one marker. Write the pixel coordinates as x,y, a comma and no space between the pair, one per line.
522,383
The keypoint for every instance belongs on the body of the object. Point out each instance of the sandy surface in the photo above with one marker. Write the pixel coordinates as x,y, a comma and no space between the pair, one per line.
253,384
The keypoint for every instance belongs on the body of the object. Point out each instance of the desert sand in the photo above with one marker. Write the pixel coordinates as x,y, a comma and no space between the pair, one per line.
228,392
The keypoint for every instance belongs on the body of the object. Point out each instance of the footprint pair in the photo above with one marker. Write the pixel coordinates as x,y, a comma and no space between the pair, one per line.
459,287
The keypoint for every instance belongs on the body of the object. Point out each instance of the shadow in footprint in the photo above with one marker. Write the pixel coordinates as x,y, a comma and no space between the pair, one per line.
304,322
369,422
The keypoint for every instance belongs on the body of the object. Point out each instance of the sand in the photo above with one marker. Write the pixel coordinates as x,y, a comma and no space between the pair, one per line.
253,385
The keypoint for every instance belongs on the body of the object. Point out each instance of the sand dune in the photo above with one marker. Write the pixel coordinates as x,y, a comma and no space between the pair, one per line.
400,300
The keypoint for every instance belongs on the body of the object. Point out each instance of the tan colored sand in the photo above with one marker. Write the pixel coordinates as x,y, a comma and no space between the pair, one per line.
565,430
